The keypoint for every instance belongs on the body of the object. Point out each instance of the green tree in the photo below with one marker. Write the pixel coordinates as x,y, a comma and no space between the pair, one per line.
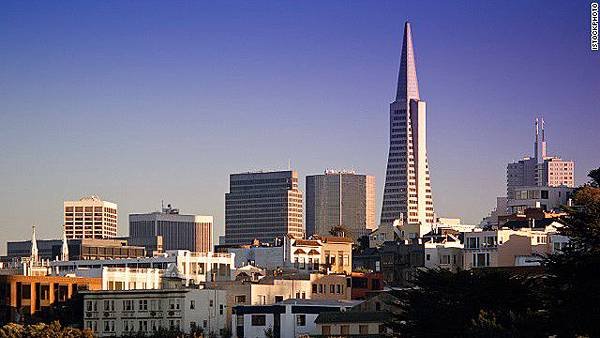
574,274
447,304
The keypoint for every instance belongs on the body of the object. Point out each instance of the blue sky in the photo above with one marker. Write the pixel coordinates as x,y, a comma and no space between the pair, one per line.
147,101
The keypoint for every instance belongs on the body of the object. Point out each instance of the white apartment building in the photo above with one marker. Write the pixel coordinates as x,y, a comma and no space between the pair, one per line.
117,313
192,267
90,217
290,318
446,254
545,197
515,244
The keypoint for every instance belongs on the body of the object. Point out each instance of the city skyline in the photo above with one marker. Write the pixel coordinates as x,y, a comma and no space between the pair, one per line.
67,117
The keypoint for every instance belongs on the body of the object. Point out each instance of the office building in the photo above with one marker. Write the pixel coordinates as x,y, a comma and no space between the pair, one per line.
178,232
90,217
540,170
263,206
339,198
407,190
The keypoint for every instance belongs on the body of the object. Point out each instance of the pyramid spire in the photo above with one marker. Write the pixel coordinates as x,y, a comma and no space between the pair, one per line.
408,86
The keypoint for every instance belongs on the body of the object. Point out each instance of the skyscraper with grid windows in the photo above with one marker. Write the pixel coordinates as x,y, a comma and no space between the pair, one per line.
407,191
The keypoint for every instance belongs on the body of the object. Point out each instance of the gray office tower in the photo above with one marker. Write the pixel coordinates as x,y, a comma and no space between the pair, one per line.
263,206
178,232
340,198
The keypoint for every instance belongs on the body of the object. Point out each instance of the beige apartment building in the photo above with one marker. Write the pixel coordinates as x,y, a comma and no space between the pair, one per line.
90,217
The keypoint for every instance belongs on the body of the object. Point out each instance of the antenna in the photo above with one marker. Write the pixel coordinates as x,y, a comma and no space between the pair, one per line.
289,164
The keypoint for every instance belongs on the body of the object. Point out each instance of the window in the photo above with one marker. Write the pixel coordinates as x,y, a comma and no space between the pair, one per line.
345,329
297,294
428,257
338,288
127,305
221,309
211,303
363,329
143,305
314,288
300,320
332,288
259,320
192,304
326,330
240,299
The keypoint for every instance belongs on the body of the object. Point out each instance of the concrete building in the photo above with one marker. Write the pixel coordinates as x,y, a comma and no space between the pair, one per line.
263,206
90,217
407,191
541,169
191,267
291,318
340,198
119,313
178,231
516,243
23,296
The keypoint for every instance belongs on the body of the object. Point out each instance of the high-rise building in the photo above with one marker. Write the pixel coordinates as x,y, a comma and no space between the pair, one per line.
179,232
407,190
340,198
540,170
90,217
263,206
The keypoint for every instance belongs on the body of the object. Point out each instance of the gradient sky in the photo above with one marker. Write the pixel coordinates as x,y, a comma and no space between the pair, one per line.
142,101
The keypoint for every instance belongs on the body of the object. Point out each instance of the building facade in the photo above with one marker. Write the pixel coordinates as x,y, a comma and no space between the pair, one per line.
517,243
263,206
339,198
23,296
191,267
287,319
407,191
85,248
119,313
178,232
90,217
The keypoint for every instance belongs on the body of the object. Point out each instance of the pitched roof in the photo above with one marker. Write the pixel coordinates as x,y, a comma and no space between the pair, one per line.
352,317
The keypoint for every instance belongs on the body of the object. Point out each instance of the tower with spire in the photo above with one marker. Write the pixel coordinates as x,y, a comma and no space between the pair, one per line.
34,258
407,191
64,254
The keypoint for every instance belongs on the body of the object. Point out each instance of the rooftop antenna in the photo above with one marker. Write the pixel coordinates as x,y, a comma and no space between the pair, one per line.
289,164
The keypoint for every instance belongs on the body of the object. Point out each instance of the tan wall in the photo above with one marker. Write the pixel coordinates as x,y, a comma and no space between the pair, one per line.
334,249
327,281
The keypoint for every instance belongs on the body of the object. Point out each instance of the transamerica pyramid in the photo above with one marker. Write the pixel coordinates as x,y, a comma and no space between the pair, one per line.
407,190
